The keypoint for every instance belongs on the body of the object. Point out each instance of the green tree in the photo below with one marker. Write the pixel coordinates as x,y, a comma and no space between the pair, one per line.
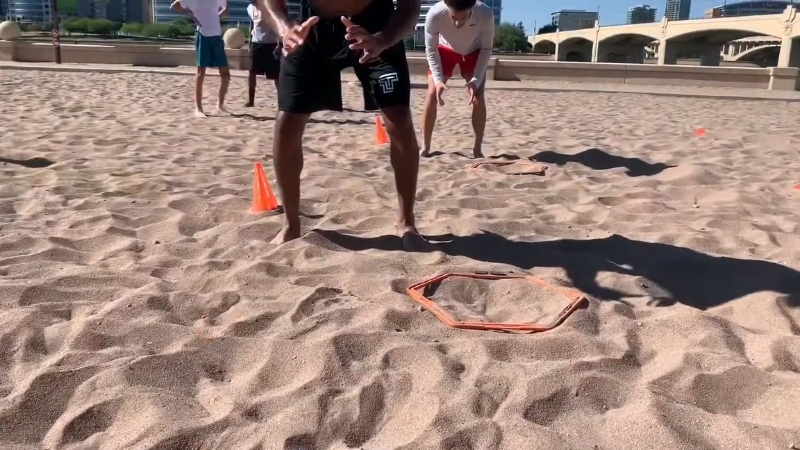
133,28
549,28
156,30
100,26
76,26
510,38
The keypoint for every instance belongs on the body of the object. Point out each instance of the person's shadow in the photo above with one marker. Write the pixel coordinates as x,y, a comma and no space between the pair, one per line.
666,273
32,163
597,159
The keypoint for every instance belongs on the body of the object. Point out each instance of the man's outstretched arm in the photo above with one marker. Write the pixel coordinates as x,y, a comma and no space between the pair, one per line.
276,14
402,22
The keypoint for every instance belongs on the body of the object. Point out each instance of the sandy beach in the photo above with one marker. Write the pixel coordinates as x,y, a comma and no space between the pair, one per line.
143,307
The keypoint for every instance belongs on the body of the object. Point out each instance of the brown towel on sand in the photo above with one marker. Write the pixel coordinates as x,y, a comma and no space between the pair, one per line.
511,167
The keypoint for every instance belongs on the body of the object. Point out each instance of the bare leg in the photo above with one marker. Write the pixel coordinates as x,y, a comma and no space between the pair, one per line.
479,122
404,155
225,79
287,149
199,77
429,117
251,89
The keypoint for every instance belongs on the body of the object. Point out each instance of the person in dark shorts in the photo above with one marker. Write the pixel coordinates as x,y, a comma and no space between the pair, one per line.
264,53
334,34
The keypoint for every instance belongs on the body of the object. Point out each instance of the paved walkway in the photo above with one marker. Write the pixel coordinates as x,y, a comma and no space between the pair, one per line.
419,82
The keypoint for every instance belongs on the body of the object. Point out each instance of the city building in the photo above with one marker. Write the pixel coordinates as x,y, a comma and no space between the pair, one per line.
572,19
678,9
29,11
3,10
753,8
237,11
641,14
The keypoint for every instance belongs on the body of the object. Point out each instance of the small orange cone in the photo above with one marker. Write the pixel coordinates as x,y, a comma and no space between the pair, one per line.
700,132
380,132
263,198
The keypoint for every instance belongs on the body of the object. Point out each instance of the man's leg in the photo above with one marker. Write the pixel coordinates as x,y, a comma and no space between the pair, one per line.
479,121
199,77
251,89
203,60
404,156
287,150
307,83
429,117
220,60
390,85
225,80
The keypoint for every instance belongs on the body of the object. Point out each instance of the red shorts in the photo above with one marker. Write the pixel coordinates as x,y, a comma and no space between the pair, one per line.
451,59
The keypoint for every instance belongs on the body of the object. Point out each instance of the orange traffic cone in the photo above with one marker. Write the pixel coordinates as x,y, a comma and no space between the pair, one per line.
263,198
380,132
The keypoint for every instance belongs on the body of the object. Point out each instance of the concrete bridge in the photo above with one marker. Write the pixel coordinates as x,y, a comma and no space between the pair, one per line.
669,40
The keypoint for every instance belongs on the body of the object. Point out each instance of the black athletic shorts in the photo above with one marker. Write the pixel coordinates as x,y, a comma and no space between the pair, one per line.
264,60
310,78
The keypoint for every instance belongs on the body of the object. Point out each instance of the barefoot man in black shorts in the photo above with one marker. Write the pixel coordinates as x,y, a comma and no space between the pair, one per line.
334,34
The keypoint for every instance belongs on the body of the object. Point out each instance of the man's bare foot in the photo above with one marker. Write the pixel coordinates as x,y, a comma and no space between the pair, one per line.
249,105
412,240
200,114
221,110
425,153
287,233
477,153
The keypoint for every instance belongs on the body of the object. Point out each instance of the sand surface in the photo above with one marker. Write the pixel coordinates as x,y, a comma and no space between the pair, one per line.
142,307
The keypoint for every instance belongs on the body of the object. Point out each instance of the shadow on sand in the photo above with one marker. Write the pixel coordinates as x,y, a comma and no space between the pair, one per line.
597,159
310,120
668,274
32,163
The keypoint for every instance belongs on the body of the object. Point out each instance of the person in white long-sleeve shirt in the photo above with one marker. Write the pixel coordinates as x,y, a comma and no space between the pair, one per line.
264,52
458,33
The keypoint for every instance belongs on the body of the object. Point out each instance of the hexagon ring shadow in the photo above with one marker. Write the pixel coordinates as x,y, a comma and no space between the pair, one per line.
573,298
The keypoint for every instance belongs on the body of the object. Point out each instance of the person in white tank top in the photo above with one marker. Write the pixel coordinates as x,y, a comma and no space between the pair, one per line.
457,33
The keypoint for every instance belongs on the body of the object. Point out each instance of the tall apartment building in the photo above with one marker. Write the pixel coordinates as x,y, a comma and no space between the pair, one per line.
237,11
29,11
572,19
3,10
678,9
748,8
641,14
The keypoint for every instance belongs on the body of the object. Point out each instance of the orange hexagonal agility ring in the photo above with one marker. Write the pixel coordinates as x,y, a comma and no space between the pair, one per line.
575,300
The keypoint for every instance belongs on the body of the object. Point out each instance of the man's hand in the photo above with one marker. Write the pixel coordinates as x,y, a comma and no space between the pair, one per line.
472,90
295,35
440,88
371,44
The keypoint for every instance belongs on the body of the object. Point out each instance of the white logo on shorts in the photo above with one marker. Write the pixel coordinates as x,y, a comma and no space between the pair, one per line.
387,82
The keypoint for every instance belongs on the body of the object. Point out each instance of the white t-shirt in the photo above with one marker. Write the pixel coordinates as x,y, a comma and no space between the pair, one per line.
477,33
260,32
207,14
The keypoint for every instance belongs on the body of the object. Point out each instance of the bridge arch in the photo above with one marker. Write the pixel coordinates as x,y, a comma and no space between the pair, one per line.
576,49
764,55
629,38
719,35
753,53
576,41
544,46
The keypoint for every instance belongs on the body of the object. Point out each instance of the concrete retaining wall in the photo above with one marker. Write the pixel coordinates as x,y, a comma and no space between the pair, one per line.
500,69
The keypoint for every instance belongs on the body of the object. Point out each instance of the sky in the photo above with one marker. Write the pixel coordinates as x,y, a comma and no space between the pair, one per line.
612,12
